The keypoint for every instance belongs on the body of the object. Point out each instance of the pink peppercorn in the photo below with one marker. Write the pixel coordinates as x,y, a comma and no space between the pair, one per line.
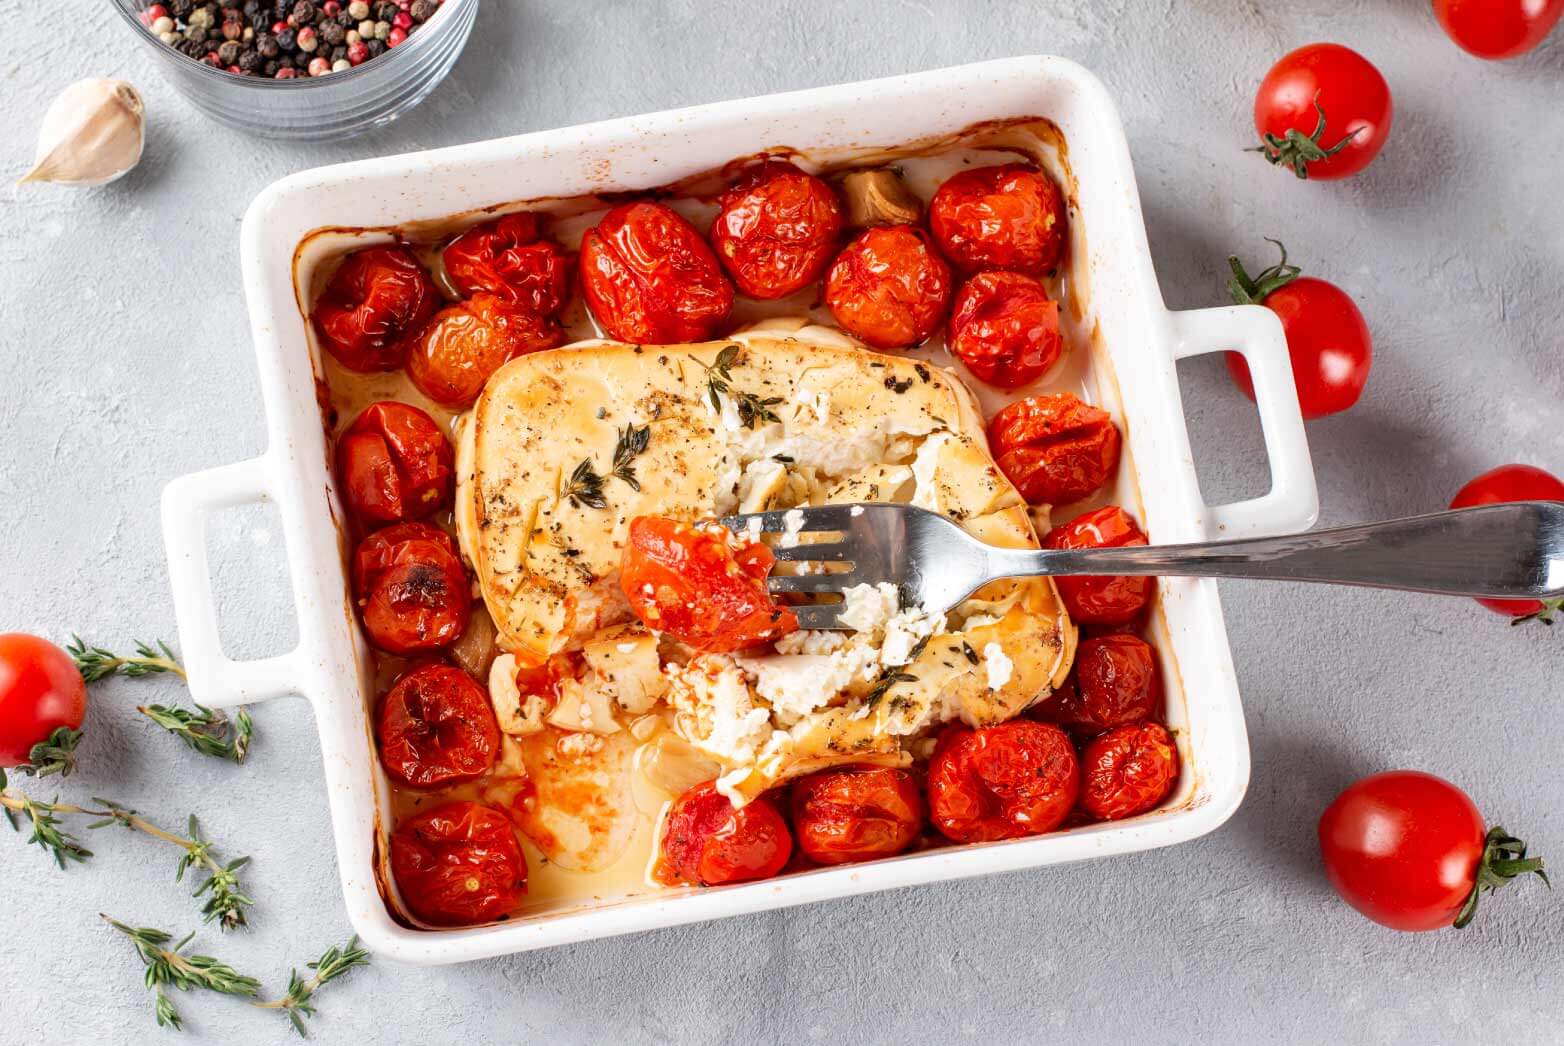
332,8
403,20
278,27
358,52
397,36
286,74
308,39
235,69
320,66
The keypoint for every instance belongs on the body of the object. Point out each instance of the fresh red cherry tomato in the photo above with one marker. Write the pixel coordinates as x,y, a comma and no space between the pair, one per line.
394,464
412,591
1496,29
457,351
512,258
650,279
1005,217
1514,483
1002,782
1101,600
691,582
1409,850
41,691
436,728
458,864
776,229
858,813
1055,449
707,842
1005,328
1116,683
373,306
1128,770
889,287
1328,342
1322,111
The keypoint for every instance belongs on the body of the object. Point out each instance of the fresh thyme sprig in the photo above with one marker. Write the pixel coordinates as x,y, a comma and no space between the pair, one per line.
171,967
297,1003
632,443
205,730
55,754
225,897
751,408
95,663
585,487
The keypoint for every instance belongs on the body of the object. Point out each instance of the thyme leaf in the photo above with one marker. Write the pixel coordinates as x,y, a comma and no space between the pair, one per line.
585,487
55,754
174,968
334,963
205,730
95,663
632,443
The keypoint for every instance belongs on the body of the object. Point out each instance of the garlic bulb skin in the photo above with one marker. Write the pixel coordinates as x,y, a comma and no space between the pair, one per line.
92,133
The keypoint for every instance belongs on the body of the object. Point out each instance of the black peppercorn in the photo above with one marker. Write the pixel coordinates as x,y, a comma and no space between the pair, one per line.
423,10
285,62
228,54
266,45
189,48
287,39
346,21
339,54
270,68
333,33
248,61
303,14
386,10
376,48
196,34
180,9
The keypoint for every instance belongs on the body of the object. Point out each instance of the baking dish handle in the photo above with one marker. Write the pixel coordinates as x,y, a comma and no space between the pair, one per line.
216,680
1293,502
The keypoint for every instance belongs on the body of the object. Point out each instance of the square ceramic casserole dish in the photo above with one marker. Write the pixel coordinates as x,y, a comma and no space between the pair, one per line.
1131,342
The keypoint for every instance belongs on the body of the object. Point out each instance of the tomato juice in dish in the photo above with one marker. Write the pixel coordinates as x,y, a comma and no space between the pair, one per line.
658,720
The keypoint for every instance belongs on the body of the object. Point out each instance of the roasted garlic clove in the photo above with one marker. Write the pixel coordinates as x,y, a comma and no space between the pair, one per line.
879,197
92,133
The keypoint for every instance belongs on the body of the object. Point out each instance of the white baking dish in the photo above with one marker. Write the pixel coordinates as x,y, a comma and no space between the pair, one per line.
1134,352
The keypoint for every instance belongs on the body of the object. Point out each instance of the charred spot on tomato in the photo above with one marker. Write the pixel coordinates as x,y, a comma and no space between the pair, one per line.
436,728
411,589
378,299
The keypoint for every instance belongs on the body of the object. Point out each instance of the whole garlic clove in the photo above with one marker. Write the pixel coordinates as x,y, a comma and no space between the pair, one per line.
92,133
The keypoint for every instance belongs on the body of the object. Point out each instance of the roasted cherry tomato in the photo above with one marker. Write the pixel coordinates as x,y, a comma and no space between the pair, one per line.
466,342
1409,850
1116,682
1002,782
1055,449
1498,28
412,591
1514,483
856,814
690,582
1327,339
650,279
889,287
436,728
1128,770
394,464
706,841
373,306
1005,328
776,230
1005,217
1101,600
458,864
511,258
41,691
1323,111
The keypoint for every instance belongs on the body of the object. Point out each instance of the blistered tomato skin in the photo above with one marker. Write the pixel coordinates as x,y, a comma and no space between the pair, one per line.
41,690
394,464
889,287
1513,483
859,813
436,728
776,230
1116,683
465,343
1102,600
1005,217
372,307
650,278
1005,328
690,582
707,842
412,592
1128,770
458,864
1015,779
511,258
1056,449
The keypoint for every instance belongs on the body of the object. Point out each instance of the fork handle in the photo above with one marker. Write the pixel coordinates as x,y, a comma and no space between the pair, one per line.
1508,551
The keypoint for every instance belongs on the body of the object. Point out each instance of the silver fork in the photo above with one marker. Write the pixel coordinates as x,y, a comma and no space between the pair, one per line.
1509,551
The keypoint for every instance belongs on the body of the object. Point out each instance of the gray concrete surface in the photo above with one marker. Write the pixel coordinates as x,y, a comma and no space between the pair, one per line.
124,361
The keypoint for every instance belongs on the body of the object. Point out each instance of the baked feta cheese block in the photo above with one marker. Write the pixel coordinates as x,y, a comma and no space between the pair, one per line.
565,447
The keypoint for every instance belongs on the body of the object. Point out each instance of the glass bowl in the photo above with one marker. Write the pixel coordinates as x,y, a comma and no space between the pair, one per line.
318,108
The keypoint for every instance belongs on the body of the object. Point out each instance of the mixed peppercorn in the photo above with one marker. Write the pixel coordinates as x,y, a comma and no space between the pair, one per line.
286,39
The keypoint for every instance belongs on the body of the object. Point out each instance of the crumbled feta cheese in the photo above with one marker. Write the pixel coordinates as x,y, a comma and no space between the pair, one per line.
514,717
997,665
866,608
797,684
808,641
792,523
716,712
855,511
